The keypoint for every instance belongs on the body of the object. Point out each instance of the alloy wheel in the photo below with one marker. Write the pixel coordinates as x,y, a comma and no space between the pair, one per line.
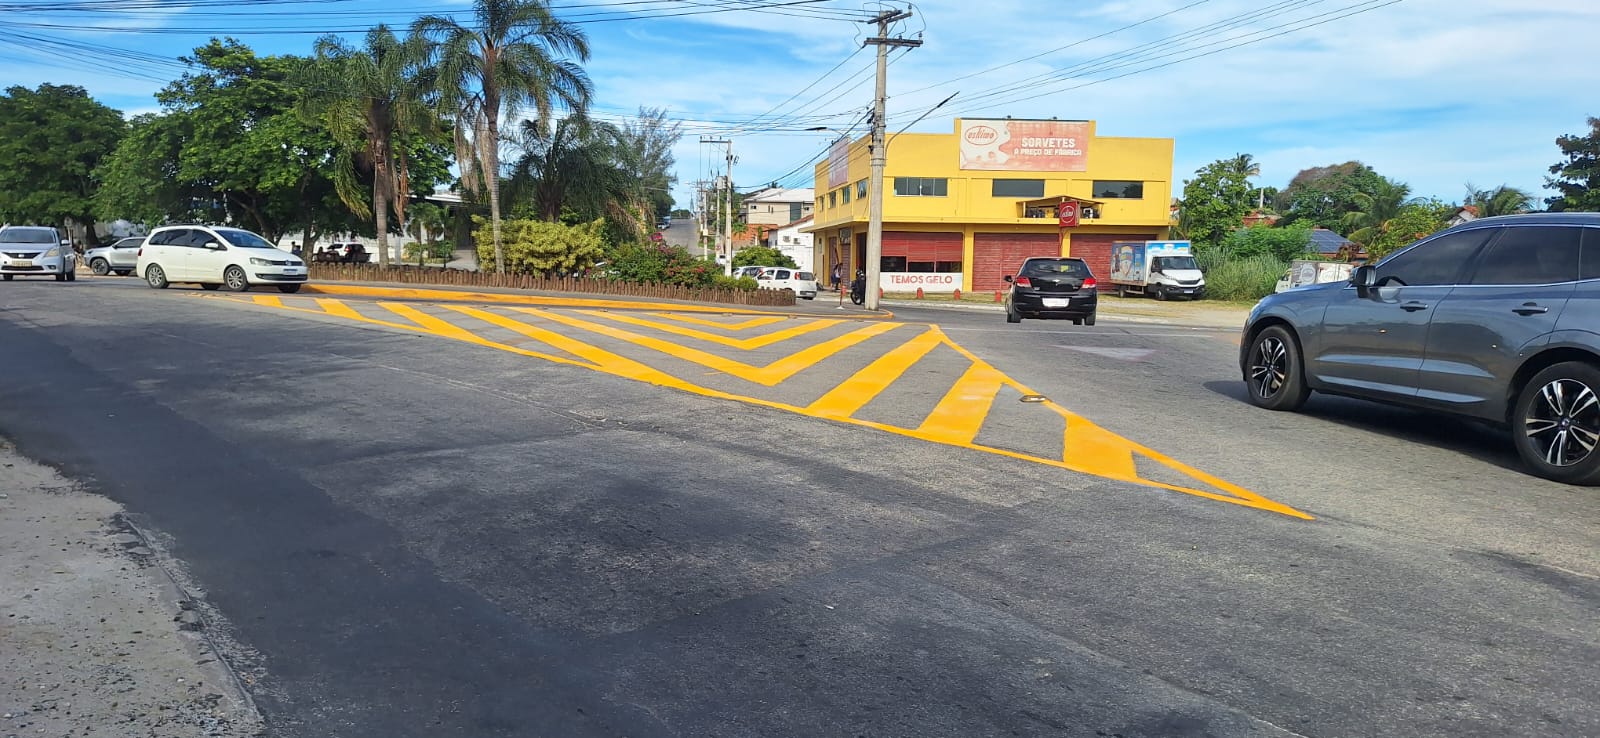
1563,422
1269,367
235,279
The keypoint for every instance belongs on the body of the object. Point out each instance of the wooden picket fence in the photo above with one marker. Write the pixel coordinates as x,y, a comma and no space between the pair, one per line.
431,276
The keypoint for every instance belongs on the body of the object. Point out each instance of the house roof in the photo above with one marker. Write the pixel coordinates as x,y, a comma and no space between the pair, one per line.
1326,241
794,194
799,223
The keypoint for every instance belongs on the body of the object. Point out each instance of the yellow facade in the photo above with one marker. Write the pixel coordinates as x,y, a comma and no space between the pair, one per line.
972,206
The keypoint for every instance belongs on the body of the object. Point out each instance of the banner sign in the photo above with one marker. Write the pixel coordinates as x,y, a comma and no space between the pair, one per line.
926,281
1025,145
1067,213
839,163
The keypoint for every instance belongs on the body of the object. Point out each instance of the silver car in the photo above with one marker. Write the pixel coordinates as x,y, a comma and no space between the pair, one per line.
36,251
1497,319
119,257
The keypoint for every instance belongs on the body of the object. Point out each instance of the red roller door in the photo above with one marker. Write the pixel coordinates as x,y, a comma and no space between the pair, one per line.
994,255
1095,249
922,247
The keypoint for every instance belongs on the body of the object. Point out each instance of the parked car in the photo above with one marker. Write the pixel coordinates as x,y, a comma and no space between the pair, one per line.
121,256
753,272
1053,287
214,256
804,284
1497,319
36,251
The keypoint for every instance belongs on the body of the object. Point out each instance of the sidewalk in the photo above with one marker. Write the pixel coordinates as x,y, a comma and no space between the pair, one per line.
95,639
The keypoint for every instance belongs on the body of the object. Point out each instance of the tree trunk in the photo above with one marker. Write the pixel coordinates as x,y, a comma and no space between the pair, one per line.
492,158
382,187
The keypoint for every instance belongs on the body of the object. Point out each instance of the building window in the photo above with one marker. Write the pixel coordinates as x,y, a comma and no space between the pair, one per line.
861,189
833,199
1119,190
921,186
754,207
844,195
892,264
1019,188
794,211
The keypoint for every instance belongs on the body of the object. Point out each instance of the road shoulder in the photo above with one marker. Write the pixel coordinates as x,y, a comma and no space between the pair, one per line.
94,637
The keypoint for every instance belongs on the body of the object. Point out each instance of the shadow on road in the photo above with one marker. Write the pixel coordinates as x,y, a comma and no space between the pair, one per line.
1472,438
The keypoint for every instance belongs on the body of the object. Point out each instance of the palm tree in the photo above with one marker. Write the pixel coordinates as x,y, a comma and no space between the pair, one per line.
515,54
575,164
371,99
1374,210
1245,166
1502,200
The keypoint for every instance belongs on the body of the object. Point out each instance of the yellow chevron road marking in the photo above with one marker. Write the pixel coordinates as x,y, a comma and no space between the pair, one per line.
958,417
754,342
854,393
741,325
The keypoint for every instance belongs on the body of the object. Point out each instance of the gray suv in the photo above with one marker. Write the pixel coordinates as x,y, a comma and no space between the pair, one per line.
1497,319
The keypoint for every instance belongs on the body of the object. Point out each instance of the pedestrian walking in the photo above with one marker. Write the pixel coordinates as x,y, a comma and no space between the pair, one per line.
838,275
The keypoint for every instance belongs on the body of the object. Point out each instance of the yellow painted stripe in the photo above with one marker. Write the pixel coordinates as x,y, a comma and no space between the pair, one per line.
960,415
268,300
434,325
600,358
408,293
337,308
754,342
768,375
739,326
854,394
1098,451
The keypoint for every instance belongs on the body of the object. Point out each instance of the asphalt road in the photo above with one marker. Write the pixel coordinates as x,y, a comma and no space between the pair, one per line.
414,535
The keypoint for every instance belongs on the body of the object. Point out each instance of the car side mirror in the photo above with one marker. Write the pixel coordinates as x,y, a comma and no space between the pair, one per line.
1365,277
1008,278
66,242
213,245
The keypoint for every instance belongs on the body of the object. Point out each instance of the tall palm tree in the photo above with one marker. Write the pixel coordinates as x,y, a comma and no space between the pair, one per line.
1245,166
572,164
371,99
515,54
1502,200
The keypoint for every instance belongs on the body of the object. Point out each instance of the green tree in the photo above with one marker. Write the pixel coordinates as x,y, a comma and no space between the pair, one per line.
762,256
51,141
645,145
1577,175
1323,195
1289,242
427,224
516,54
371,100
1215,202
1370,211
1502,200
1416,220
571,166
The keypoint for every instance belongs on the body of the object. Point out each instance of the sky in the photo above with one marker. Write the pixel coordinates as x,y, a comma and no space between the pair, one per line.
1434,93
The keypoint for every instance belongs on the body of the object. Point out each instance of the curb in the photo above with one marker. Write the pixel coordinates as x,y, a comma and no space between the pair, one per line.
610,302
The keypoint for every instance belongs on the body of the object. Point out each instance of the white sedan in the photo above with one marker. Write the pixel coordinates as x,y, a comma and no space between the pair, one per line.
804,284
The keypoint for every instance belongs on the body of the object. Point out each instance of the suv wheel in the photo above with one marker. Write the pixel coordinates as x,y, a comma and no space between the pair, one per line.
1273,376
1556,423
100,267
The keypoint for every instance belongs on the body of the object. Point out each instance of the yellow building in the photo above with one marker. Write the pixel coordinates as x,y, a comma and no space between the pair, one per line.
964,209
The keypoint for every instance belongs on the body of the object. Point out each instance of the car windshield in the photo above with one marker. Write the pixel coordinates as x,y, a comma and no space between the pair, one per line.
244,239
41,236
1176,262
1055,268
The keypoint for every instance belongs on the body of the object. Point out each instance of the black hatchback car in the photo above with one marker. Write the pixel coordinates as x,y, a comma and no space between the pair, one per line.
1052,287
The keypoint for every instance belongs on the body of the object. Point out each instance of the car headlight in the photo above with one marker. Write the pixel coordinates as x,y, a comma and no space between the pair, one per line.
51,254
260,262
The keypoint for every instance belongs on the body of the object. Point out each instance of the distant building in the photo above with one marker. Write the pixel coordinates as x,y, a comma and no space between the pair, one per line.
1334,247
776,206
1261,217
963,209
795,244
1463,214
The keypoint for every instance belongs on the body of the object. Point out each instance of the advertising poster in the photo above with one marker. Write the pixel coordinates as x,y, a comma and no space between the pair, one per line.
839,163
1025,145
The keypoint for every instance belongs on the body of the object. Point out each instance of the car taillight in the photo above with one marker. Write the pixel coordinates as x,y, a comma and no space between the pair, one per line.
1089,283
1024,282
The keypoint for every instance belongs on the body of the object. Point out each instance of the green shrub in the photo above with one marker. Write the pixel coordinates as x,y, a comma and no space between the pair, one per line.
726,282
762,256
656,263
541,247
1244,278
1289,242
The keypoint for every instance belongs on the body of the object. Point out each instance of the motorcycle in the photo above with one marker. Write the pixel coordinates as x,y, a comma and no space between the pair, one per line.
858,288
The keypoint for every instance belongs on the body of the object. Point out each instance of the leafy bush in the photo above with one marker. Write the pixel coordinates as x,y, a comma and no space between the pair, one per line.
1413,222
1233,277
762,256
1289,242
723,281
541,247
416,251
658,263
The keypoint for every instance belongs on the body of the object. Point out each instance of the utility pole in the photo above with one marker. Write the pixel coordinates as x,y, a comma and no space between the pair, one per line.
880,153
725,247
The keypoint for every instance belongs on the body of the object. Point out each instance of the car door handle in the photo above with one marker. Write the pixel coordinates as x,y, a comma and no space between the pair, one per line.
1530,308
1414,306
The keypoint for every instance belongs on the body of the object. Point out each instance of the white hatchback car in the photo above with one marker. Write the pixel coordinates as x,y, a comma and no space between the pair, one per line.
214,256
36,251
804,284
